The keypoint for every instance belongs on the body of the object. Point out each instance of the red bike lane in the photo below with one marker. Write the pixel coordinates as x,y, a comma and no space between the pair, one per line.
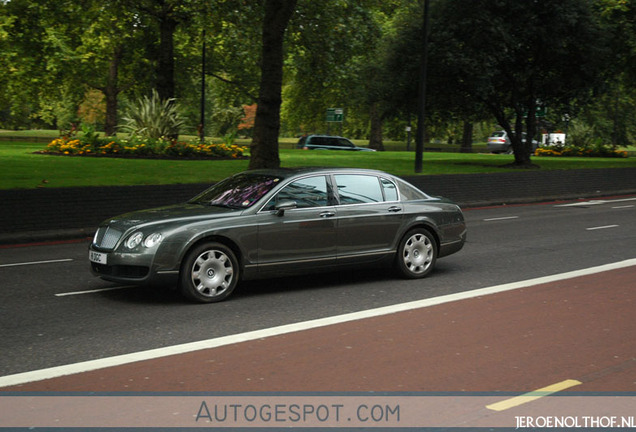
581,328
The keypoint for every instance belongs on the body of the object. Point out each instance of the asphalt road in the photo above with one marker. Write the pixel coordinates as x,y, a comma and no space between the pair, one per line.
53,312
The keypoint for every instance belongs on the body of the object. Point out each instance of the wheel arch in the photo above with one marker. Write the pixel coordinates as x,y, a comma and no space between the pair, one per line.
232,245
427,225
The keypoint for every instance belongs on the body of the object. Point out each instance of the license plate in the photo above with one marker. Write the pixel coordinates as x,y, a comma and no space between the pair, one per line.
98,257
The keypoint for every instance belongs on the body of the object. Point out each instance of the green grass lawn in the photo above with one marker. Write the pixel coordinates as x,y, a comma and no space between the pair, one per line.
21,169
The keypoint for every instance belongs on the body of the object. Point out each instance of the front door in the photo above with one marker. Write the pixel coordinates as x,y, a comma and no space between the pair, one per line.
300,237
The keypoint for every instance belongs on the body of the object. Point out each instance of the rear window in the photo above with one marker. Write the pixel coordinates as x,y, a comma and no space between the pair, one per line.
498,134
409,192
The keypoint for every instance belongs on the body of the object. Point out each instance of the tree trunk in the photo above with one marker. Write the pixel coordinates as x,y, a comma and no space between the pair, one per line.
520,147
165,63
111,91
467,138
375,138
264,146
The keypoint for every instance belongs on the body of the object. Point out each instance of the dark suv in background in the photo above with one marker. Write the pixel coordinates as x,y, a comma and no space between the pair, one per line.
328,142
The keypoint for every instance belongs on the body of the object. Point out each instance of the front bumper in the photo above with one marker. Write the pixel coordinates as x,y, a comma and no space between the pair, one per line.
131,268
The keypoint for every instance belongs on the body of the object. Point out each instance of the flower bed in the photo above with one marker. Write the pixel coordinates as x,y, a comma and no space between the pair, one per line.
136,147
572,151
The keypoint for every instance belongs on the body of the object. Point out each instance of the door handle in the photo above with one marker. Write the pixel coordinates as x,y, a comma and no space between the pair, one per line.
327,214
395,209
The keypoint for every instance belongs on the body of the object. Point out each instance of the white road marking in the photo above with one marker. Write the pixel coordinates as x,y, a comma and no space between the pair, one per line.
623,207
36,262
601,227
501,218
91,291
119,360
595,202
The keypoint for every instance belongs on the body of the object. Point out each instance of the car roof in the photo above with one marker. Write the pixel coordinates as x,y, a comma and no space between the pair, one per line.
326,136
294,171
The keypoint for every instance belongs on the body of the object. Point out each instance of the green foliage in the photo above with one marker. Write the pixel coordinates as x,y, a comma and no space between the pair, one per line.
339,53
153,118
580,134
20,167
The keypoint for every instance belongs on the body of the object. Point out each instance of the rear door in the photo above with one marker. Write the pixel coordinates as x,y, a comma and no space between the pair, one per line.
370,217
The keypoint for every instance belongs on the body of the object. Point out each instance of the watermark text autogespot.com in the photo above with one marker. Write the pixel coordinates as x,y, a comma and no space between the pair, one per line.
297,413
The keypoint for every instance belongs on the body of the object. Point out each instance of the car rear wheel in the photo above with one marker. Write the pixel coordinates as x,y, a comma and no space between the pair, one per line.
209,273
417,253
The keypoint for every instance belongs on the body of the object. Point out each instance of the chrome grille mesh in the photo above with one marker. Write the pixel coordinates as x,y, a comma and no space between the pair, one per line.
107,237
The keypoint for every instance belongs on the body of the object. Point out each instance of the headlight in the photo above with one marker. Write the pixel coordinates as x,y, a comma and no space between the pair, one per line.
153,240
134,240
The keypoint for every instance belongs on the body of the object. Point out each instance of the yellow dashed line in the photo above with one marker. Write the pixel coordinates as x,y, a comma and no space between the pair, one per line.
533,395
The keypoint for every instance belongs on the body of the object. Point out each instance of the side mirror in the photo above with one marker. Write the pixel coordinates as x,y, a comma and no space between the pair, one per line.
285,205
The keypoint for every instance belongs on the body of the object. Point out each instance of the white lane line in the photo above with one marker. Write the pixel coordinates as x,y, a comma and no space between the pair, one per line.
119,360
91,291
501,218
600,227
533,395
623,207
595,202
36,262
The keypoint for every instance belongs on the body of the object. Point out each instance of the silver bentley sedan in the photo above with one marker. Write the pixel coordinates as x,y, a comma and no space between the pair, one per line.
267,223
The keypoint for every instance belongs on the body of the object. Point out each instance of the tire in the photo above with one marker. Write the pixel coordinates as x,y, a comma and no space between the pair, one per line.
417,254
209,273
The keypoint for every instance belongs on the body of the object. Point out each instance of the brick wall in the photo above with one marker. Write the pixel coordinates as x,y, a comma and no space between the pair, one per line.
34,214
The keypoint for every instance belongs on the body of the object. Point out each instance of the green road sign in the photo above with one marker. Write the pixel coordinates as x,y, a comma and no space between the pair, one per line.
335,115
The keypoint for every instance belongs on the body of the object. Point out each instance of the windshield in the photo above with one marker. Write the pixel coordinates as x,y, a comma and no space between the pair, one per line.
240,191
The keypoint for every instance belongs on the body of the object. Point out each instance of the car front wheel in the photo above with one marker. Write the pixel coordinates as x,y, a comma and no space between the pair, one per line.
209,273
417,254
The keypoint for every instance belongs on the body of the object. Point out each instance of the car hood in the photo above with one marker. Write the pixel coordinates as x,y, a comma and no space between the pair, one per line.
182,213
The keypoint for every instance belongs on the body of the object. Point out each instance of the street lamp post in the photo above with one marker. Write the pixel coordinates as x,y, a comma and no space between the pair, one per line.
202,121
421,117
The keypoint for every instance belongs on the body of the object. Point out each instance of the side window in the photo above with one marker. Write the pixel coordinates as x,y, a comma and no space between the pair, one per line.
390,190
307,192
358,189
410,193
343,142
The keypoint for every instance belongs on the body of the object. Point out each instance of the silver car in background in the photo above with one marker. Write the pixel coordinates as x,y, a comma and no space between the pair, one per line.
499,142
266,223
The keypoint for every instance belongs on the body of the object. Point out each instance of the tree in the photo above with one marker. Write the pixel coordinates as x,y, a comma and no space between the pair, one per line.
613,111
264,146
333,63
513,56
109,52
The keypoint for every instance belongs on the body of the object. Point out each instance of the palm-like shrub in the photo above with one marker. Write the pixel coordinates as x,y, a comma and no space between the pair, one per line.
153,118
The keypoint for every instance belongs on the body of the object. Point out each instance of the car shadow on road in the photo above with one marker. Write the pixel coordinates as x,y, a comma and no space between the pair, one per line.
323,282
